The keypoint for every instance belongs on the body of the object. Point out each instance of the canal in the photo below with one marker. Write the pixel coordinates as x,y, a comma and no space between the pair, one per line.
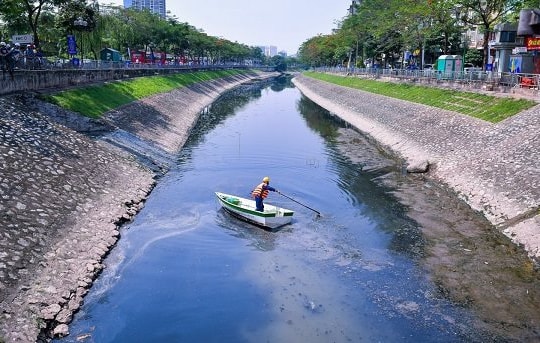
392,258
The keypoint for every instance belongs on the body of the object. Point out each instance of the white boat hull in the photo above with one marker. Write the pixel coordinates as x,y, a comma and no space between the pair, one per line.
272,217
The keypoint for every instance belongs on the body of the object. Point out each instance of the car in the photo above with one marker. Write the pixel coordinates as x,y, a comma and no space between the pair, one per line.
429,66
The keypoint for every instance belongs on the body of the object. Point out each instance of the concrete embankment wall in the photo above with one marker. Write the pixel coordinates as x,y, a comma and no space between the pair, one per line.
65,194
34,80
493,167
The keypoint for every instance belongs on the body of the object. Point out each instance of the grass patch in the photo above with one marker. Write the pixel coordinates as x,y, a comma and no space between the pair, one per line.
489,108
93,101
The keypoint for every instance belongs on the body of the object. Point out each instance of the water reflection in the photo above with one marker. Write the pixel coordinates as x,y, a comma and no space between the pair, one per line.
186,271
349,153
464,253
230,103
264,240
318,120
280,83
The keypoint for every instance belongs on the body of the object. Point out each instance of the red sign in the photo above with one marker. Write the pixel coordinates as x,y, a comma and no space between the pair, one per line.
533,43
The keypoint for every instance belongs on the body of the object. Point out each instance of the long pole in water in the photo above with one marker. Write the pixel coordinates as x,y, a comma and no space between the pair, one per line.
298,202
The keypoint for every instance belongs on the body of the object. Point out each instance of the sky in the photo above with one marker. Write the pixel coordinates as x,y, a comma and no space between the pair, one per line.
282,23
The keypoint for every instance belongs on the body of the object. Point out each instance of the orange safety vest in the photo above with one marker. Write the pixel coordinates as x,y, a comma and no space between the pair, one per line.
259,191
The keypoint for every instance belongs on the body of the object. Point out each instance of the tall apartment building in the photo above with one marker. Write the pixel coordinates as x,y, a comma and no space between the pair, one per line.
269,50
156,6
352,8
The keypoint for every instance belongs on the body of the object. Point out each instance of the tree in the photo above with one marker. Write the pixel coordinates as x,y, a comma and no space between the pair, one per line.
474,56
73,12
18,11
485,14
178,41
256,54
319,51
117,28
279,62
387,28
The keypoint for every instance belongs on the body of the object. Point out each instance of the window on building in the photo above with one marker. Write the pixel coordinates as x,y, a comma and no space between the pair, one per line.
508,37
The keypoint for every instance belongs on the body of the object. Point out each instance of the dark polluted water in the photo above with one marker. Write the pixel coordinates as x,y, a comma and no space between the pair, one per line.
392,258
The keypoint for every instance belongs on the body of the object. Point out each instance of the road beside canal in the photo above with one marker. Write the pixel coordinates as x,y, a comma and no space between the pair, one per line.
492,167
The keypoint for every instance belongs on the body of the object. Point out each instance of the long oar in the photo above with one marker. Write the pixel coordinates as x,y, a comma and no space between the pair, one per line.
298,202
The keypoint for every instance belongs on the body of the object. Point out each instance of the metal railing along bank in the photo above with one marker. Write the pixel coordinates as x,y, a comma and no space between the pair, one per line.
50,63
489,81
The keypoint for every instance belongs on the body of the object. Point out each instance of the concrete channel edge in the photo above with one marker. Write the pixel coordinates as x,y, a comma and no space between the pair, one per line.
500,181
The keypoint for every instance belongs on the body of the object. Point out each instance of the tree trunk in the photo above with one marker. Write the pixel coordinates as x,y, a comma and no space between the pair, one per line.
486,48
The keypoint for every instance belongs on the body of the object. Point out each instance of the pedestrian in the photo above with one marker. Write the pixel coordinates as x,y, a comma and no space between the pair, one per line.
4,51
261,192
6,60
14,55
39,60
30,54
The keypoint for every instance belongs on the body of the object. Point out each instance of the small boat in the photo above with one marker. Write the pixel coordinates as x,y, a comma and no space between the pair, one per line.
272,217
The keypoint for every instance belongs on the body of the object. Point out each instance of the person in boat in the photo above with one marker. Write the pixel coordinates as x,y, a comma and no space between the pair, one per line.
261,192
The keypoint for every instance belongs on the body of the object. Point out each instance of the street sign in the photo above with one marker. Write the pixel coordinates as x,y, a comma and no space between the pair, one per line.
23,39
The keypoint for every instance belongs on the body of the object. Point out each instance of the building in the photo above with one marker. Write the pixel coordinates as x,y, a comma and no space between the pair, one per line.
269,51
155,6
506,55
354,5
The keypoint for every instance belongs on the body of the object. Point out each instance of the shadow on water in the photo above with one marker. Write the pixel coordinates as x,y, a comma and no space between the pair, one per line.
470,261
229,103
358,162
261,239
393,257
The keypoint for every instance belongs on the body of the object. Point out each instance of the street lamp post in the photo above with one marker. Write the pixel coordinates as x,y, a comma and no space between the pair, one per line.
349,61
152,46
422,26
464,45
81,25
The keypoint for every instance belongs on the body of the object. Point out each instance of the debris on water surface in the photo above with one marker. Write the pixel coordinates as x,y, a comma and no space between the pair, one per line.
314,308
408,307
83,337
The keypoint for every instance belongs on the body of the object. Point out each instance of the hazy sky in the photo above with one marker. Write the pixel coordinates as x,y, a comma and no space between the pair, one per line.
283,23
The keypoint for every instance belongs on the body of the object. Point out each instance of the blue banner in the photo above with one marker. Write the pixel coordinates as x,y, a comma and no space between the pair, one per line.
72,45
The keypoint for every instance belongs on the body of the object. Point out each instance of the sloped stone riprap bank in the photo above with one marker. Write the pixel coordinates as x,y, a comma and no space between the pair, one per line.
65,195
495,168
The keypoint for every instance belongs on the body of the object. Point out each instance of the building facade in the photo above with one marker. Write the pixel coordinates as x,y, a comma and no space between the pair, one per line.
269,50
155,6
354,6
